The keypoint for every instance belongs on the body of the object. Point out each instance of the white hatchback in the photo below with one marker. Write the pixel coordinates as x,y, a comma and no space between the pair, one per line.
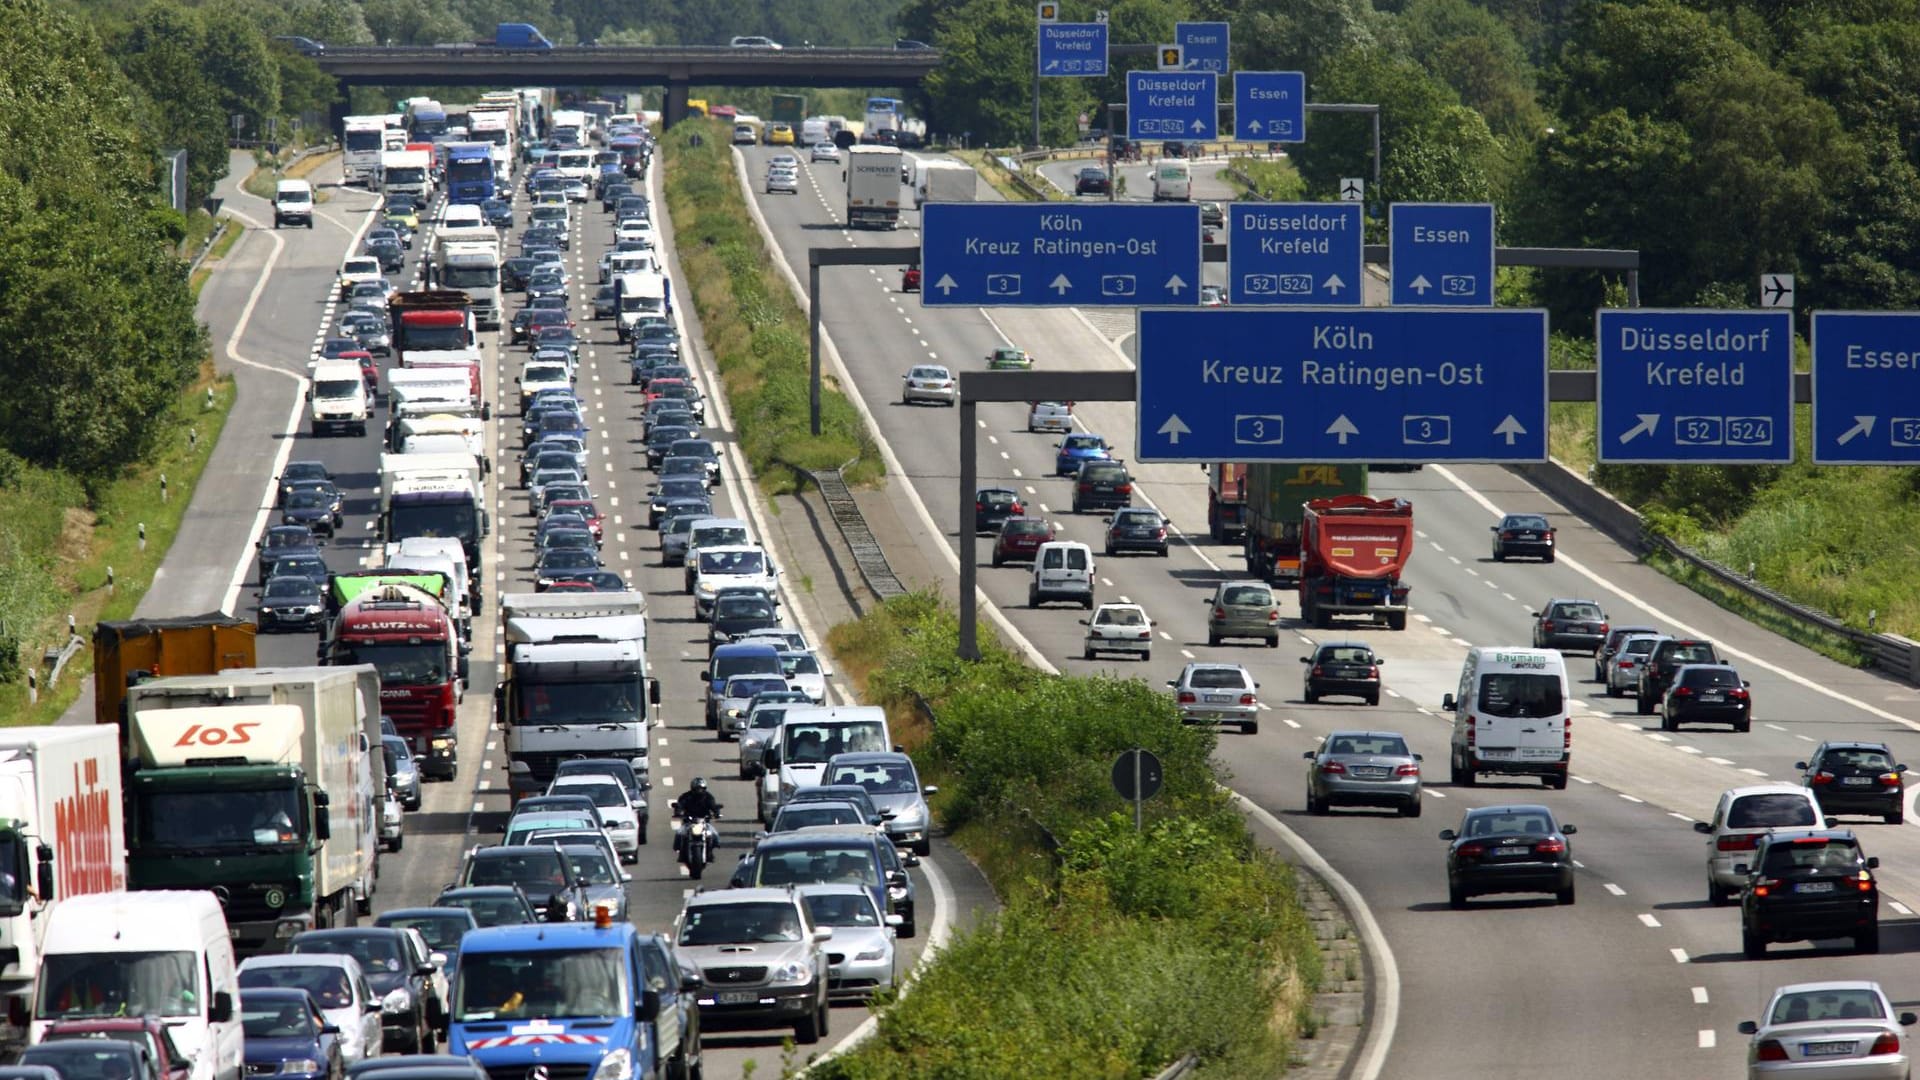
826,151
1741,817
622,821
929,382
1119,628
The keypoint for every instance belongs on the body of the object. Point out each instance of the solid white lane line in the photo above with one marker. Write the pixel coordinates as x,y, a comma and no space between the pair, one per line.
1629,798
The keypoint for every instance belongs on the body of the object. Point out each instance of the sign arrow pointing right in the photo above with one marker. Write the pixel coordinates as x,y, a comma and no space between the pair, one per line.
946,284
1648,422
1173,429
1342,427
1862,425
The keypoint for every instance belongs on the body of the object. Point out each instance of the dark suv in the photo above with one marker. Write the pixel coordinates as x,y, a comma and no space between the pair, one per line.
1669,655
1102,485
1809,887
1856,778
993,506
1708,694
1576,625
1343,668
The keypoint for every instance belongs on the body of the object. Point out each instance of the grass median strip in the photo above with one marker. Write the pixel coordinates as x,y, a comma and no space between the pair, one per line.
1103,926
757,333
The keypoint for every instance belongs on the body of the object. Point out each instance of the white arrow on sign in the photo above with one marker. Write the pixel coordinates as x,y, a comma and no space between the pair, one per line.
1648,422
1060,285
1173,429
1333,284
1862,425
1199,125
1253,127
1420,284
946,284
1342,427
1511,428
1175,284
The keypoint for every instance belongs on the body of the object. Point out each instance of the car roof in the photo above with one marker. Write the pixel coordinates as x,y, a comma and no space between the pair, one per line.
870,757
759,895
425,912
1850,744
1212,665
816,803
459,891
1366,735
274,960
1511,808
1348,644
813,835
1776,788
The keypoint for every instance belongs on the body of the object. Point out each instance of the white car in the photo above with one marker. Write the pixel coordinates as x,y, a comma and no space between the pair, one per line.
1217,694
616,808
804,673
338,984
576,191
357,269
1623,667
1050,416
784,638
1118,628
537,377
786,180
783,161
1740,818
634,229
1824,1029
929,382
826,151
735,564
863,939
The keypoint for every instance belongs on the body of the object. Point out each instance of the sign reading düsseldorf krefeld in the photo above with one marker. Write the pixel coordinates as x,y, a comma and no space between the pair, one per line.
1073,49
1342,384
1053,254
1694,387
1294,253
1173,105
1866,387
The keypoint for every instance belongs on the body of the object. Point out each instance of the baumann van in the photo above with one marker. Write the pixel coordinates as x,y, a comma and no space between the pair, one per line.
1172,181
162,953
1510,716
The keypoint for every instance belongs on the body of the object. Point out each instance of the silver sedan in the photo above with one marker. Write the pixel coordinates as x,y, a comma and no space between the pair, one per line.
929,382
1217,694
1363,768
861,957
1623,667
1828,1029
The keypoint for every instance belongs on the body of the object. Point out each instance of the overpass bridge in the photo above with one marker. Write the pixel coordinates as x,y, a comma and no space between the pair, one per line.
677,68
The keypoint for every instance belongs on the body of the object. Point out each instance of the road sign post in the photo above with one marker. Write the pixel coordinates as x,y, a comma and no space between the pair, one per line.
1342,385
1074,50
1442,254
1208,46
1295,253
1182,105
1137,777
1694,387
1270,106
1864,365
1059,254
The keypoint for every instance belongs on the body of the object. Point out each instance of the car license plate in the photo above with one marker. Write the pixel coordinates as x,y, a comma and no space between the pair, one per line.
1713,695
1827,1049
737,997
1215,699
1510,852
1856,781
1813,886
1370,772
1539,753
1494,755
1365,594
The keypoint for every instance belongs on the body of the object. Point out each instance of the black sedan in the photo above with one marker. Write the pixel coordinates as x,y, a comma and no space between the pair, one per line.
514,272
993,506
666,491
1856,778
737,616
290,603
311,508
1092,181
282,542
1508,849
1343,668
498,212
1809,887
1137,529
1528,535
661,437
297,471
1707,694
392,256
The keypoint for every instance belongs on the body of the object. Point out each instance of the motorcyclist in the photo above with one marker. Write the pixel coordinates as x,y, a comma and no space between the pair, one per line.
698,802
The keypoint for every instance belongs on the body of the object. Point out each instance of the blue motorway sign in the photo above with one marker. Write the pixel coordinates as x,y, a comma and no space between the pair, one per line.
1695,386
1073,49
1442,253
1173,105
1866,366
1342,384
1270,106
1295,253
1206,45
1059,254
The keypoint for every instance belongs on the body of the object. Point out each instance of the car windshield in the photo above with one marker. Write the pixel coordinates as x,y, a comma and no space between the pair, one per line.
292,589
805,816
1508,823
1248,596
732,562
1120,617
1693,652
734,924
1217,678
541,984
591,867
848,863
742,607
193,822
118,984
880,778
1515,694
748,687
1083,442
814,744
1770,811
441,931
603,793
1525,521
1025,527
92,1059
842,909
376,952
328,984
1639,646
493,910
1823,1005
518,868
274,1019
930,373
1381,745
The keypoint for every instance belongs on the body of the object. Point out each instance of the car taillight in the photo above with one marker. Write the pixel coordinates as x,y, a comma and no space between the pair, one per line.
1765,886
1823,777
1373,672
1084,486
1546,626
1770,1050
1124,489
1246,699
1472,851
1470,730
1738,694
1864,882
1683,691
1332,767
1550,847
1506,536
1409,769
1273,616
1160,534
1888,1043
1625,665
1144,635
1603,628
978,507
1316,671
1219,613
1891,779
1744,842
1187,698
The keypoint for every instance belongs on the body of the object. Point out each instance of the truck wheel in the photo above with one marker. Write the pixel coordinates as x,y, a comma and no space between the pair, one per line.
1397,620
397,843
1557,782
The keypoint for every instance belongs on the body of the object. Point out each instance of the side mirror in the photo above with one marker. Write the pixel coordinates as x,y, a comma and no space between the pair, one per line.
896,920
1447,704
425,969
1308,755
43,873
221,1011
896,877
653,691
1306,659
1873,862
1907,1019
322,823
1448,834
1084,622
17,1011
649,1005
823,933
1569,830
329,1029
1748,1027
908,858
689,982
1535,614
1493,528
1900,768
1419,757
1703,828
930,789
625,877
372,1007
1802,765
439,959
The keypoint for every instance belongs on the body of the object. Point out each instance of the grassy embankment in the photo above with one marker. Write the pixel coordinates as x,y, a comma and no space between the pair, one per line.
986,163
1122,951
57,545
757,333
271,170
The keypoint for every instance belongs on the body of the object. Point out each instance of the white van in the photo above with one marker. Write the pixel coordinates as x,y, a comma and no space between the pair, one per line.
1510,715
293,203
465,216
338,398
809,736
1062,570
1172,181
165,954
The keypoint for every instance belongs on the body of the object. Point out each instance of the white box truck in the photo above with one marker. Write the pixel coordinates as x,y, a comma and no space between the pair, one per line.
259,784
941,180
406,172
471,263
574,684
60,837
873,187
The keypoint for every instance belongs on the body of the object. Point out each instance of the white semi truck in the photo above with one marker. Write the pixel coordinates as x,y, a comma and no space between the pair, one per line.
873,187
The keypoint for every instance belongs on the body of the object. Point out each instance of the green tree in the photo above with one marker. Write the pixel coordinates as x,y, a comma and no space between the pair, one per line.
1472,51
985,85
237,59
162,54
1433,149
416,22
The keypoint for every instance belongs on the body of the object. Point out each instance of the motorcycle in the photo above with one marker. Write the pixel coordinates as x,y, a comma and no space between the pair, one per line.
695,843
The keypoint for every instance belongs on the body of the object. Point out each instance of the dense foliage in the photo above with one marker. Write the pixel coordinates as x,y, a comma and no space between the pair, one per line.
1074,978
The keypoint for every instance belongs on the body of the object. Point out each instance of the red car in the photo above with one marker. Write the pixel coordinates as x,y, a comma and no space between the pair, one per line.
595,522
910,279
1020,539
369,370
657,388
149,1031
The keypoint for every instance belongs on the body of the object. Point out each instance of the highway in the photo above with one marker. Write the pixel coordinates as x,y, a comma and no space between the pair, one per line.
272,323
1642,977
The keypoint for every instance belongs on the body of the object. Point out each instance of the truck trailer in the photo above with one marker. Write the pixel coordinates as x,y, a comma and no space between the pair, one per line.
1352,550
574,684
873,187
1275,498
259,784
128,652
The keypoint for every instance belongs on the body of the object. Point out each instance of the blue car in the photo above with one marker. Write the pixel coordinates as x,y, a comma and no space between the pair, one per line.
287,1036
443,927
1075,449
498,212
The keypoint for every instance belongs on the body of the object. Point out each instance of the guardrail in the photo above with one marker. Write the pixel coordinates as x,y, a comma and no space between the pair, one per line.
1897,656
868,557
1179,1069
1010,167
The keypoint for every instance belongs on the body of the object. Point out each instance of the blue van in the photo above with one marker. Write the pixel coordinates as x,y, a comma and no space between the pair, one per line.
737,658
566,998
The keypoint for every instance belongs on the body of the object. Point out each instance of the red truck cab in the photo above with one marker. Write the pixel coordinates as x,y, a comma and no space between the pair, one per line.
408,635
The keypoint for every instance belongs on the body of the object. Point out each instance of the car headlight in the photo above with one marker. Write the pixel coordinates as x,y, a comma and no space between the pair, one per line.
398,1000
617,1065
312,609
300,1065
793,972
912,815
871,955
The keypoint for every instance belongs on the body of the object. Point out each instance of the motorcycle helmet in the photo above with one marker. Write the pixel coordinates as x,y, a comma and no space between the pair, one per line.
699,783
